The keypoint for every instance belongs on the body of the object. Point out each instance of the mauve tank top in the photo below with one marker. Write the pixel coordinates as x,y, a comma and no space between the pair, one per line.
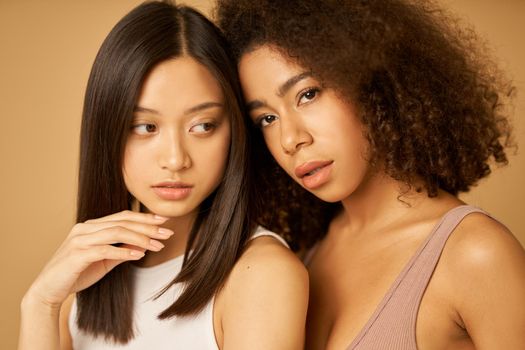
393,324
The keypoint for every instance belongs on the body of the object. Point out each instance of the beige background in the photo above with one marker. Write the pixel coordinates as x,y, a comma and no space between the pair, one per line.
46,51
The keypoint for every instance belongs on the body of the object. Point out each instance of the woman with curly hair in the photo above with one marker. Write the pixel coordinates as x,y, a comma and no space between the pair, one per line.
385,110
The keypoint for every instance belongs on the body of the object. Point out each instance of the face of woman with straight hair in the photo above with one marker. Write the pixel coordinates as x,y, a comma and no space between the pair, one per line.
314,135
177,147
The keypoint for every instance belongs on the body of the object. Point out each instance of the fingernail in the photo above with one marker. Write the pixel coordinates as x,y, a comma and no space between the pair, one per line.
155,244
165,232
158,217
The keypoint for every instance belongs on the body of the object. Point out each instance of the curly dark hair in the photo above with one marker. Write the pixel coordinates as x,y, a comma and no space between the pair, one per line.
432,101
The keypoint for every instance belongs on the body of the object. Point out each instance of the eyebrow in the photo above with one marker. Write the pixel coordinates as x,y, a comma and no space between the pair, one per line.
287,85
281,91
255,104
194,109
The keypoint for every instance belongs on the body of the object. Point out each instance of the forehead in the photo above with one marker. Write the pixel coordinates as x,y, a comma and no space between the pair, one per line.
181,82
265,67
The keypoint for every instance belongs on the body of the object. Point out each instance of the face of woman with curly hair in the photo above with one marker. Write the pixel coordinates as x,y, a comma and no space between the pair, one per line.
314,135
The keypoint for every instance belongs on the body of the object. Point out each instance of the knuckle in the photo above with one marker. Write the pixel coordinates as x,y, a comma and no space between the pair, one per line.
154,229
121,223
125,253
103,250
120,235
144,240
116,230
75,241
136,238
77,228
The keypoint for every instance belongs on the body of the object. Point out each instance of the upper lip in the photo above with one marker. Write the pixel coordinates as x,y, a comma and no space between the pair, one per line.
307,167
174,184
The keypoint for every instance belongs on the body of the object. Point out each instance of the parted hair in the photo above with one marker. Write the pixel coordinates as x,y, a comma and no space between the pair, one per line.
150,34
433,103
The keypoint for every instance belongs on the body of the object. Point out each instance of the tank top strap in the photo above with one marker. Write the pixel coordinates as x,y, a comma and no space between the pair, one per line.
396,315
422,265
261,231
448,223
307,259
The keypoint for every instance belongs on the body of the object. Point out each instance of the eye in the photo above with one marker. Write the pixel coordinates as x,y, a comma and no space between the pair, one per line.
308,95
144,129
203,128
266,120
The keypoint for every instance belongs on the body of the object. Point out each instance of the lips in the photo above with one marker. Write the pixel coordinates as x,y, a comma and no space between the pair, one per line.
314,174
172,190
173,184
309,168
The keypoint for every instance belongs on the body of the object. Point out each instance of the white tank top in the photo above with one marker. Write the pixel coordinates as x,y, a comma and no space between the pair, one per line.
193,332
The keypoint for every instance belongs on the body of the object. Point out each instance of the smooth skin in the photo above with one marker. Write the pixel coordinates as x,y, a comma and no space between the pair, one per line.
84,257
476,296
180,133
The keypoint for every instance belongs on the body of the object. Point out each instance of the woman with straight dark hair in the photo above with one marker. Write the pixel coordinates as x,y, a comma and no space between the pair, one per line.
163,157
385,110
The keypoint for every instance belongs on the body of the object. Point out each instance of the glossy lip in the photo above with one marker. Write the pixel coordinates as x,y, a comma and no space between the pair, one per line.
172,190
307,167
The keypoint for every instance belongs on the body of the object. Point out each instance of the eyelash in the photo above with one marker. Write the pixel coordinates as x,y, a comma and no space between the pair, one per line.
259,122
136,126
306,91
209,125
212,126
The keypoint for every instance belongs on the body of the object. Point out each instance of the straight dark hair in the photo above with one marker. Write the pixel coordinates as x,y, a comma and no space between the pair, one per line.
151,33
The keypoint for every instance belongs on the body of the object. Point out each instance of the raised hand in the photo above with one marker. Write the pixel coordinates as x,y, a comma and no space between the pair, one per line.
94,248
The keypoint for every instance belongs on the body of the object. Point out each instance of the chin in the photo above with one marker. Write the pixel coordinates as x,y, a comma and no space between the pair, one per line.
170,209
330,195
326,196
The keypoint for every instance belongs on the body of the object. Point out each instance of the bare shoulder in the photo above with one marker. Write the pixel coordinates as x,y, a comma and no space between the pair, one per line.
265,298
267,253
268,266
486,267
480,242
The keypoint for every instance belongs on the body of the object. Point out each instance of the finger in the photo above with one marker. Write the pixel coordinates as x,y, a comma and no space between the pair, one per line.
115,235
134,247
111,264
150,230
108,252
129,215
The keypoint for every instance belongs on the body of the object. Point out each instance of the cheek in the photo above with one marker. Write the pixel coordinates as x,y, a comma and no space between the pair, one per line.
220,156
352,148
134,165
273,143
128,163
282,159
210,158
340,127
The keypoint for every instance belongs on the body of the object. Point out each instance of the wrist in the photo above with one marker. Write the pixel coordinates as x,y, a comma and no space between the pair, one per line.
34,302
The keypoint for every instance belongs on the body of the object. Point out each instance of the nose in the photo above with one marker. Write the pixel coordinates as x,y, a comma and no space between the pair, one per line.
294,134
173,155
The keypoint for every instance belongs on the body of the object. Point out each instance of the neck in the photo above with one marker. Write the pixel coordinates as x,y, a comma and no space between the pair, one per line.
176,244
378,203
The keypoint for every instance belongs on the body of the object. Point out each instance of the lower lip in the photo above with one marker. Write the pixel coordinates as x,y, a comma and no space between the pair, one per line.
318,179
172,193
